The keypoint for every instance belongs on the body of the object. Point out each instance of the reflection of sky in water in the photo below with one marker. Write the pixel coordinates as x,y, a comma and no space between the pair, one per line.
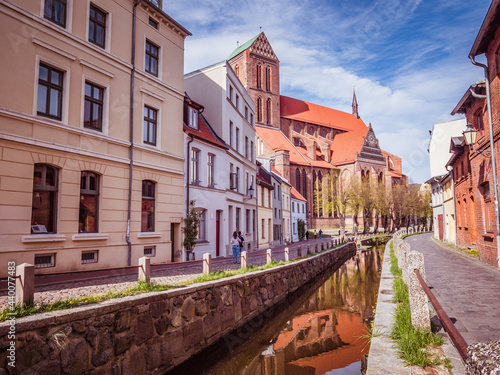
352,369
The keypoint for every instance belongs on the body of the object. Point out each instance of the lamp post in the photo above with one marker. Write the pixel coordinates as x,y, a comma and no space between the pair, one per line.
470,139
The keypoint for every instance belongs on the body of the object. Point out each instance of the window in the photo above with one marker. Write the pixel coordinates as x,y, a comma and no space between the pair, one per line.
293,206
202,213
50,89
253,221
294,228
323,133
247,221
152,57
150,251
211,170
310,130
89,203
237,140
262,196
150,122
251,150
478,118
237,103
195,166
92,113
153,23
246,147
231,133
297,128
259,109
268,78
237,179
192,118
148,206
268,111
238,216
44,202
231,176
269,199
263,228
97,26
246,113
231,93
45,260
55,11
90,256
251,118
297,179
259,76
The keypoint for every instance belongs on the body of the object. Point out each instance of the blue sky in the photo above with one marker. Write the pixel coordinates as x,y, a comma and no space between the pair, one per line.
407,59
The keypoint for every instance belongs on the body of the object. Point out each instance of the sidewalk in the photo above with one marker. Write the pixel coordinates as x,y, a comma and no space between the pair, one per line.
54,288
468,290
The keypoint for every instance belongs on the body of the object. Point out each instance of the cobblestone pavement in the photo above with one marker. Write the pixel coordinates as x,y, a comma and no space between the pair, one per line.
468,290
172,273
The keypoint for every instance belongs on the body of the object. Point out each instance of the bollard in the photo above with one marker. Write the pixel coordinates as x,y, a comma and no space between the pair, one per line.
243,259
322,246
316,248
418,298
308,249
269,256
144,269
25,284
287,254
207,263
299,251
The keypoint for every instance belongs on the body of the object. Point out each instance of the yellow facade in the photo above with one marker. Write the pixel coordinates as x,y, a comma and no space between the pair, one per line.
265,216
36,132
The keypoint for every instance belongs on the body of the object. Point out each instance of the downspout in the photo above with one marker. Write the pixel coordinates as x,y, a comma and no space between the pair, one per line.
492,150
131,135
191,139
442,205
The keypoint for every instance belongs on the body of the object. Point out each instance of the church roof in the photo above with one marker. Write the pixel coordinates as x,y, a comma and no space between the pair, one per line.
243,47
346,145
300,110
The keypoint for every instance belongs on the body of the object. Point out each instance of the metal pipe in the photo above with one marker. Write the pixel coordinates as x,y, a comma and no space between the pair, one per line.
131,134
492,150
448,325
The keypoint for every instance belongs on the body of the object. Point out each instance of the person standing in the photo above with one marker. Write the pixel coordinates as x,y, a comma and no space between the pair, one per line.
242,242
307,235
235,245
320,234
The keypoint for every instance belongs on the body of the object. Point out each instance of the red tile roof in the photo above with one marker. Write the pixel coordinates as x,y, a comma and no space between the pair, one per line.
300,110
205,132
277,140
345,146
295,194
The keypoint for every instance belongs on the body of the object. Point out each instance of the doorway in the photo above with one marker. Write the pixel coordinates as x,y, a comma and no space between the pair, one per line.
217,233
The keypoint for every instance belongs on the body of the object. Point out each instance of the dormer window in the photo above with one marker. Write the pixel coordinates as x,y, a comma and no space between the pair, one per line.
192,118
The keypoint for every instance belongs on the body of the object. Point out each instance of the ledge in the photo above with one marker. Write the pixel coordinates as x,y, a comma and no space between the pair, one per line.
149,235
43,238
90,237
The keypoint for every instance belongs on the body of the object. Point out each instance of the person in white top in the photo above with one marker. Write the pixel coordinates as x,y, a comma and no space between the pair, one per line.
235,245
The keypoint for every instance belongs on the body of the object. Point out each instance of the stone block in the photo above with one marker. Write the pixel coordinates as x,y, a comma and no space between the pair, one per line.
226,317
30,354
483,359
75,356
162,324
123,320
173,342
418,299
157,309
154,351
193,334
144,328
123,343
134,362
211,324
102,348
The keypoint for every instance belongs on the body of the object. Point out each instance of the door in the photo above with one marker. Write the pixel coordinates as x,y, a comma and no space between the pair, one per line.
172,241
217,234
440,226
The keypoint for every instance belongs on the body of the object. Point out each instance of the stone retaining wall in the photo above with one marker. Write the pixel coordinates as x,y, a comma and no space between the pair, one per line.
154,332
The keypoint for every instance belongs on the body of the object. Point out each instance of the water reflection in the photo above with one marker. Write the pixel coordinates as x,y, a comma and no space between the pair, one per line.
321,331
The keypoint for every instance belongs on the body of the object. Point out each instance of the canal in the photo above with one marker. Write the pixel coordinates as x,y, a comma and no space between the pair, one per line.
321,329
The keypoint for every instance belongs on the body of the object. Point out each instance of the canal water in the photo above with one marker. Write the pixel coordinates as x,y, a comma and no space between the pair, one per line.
321,329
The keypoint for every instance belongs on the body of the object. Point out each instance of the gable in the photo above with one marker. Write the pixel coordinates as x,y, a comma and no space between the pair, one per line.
258,45
371,149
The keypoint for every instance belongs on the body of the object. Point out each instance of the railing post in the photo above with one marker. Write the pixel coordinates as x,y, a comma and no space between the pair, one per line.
308,249
243,259
287,254
299,251
25,284
269,256
145,269
207,263
418,299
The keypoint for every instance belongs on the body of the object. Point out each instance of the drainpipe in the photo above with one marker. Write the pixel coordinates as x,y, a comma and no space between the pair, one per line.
131,135
492,150
191,139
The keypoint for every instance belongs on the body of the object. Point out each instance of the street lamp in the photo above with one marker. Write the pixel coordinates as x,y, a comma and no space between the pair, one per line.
470,135
249,193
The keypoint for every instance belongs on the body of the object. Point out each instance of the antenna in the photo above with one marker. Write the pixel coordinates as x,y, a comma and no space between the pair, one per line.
237,43
260,28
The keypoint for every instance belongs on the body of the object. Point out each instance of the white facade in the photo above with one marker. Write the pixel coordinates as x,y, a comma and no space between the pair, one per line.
298,211
439,144
230,111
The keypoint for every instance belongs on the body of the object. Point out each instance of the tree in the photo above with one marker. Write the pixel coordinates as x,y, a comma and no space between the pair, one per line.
338,201
301,228
190,229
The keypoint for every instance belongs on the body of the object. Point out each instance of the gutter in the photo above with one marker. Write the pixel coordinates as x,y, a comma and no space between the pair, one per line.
131,134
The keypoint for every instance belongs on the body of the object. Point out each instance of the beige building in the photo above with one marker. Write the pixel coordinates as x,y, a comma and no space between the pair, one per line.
265,207
450,234
86,181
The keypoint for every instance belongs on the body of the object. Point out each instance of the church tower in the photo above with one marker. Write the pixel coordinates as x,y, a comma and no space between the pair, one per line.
354,104
257,67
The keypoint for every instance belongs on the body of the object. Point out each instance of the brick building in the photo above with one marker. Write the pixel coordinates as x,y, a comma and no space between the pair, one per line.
309,143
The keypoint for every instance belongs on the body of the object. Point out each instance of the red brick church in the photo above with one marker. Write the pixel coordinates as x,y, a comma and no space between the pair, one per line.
309,143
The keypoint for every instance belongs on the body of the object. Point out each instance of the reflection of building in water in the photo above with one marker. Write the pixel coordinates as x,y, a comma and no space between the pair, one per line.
327,332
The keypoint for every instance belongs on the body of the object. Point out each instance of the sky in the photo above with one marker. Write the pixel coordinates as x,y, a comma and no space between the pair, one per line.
406,59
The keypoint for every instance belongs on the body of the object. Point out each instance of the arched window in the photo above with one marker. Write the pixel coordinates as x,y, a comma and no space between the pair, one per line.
315,195
88,217
268,111
320,193
304,183
44,203
259,109
268,78
323,133
259,76
297,128
297,179
381,177
478,119
310,130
